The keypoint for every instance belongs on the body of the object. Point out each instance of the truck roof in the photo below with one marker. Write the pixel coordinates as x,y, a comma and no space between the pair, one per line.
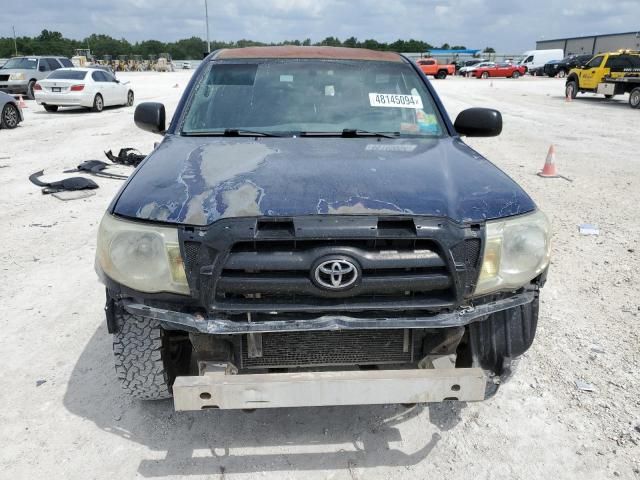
291,51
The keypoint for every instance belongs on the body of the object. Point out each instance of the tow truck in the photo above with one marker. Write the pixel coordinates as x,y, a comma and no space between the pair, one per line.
608,74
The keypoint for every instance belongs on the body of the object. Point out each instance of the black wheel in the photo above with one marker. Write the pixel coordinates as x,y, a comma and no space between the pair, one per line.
10,116
515,75
485,75
30,85
98,103
130,99
441,75
503,336
141,353
561,74
51,108
634,98
571,89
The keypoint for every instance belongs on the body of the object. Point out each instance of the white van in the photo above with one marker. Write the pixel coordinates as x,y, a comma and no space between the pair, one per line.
534,60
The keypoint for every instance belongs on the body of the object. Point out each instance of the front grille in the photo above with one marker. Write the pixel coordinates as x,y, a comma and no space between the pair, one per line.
391,270
4,78
467,254
321,348
266,266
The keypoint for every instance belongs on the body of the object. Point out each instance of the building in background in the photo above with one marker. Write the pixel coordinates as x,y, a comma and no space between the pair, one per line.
593,44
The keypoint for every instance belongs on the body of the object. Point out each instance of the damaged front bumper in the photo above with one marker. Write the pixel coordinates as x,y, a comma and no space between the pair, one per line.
214,326
219,390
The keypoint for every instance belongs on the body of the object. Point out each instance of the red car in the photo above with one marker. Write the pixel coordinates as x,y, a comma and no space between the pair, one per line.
500,70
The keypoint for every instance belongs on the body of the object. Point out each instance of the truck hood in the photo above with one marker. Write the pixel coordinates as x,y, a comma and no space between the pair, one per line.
196,180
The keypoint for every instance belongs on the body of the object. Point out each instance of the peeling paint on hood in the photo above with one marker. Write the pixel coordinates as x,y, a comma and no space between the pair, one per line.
197,180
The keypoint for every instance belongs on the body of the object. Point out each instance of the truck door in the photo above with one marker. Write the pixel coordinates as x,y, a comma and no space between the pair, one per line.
592,73
428,66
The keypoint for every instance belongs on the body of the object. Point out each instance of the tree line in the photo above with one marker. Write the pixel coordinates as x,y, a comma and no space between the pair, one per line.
54,43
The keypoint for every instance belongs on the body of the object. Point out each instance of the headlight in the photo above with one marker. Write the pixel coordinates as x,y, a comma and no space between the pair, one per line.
16,76
516,251
140,256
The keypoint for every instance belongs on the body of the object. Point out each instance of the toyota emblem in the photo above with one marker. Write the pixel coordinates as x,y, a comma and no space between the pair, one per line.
336,274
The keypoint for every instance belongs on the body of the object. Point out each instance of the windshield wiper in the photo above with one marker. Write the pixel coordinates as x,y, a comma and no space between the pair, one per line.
232,132
351,133
356,132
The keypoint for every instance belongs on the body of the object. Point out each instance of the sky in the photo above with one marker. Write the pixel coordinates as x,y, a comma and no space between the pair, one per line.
510,26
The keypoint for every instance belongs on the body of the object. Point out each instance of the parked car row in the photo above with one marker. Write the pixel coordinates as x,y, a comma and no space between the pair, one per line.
52,84
20,74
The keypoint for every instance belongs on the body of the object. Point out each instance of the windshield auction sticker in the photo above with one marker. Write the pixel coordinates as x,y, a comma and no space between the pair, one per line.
397,101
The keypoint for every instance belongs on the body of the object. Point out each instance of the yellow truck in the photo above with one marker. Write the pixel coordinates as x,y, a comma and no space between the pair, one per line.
608,74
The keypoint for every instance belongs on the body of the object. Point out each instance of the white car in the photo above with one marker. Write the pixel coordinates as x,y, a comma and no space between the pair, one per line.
466,71
82,87
186,65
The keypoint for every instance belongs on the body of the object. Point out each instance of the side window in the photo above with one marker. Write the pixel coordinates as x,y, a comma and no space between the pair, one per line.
43,65
529,59
107,76
53,63
595,62
97,76
66,62
616,62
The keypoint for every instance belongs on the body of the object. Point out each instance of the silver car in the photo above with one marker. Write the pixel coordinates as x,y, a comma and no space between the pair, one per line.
20,74
10,112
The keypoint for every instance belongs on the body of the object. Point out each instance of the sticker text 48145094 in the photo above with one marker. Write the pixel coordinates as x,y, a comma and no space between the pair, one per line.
393,100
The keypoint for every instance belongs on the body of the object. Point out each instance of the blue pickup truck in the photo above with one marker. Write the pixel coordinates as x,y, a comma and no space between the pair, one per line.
312,230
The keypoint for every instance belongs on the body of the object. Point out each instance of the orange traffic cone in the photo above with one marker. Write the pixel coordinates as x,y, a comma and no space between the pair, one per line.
568,98
549,170
21,103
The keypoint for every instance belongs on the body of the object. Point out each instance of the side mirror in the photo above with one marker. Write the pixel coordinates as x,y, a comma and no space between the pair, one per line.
150,116
479,122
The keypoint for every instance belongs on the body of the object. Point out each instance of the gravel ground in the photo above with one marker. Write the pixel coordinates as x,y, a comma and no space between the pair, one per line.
63,414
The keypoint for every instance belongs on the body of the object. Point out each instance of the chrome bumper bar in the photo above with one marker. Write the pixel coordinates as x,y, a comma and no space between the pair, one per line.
213,326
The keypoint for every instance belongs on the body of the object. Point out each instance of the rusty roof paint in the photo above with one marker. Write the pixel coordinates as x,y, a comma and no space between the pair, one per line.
290,51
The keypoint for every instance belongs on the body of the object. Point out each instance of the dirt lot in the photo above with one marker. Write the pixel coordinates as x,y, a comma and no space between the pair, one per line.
63,414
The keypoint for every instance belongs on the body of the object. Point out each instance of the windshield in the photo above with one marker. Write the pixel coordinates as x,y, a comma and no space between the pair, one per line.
67,75
21,63
290,97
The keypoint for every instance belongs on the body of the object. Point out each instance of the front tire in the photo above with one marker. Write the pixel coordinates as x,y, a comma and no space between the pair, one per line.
98,103
561,74
571,89
141,353
634,98
441,75
51,108
485,75
10,116
515,75
130,99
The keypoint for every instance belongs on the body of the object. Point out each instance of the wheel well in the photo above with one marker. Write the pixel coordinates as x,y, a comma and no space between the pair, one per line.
572,78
